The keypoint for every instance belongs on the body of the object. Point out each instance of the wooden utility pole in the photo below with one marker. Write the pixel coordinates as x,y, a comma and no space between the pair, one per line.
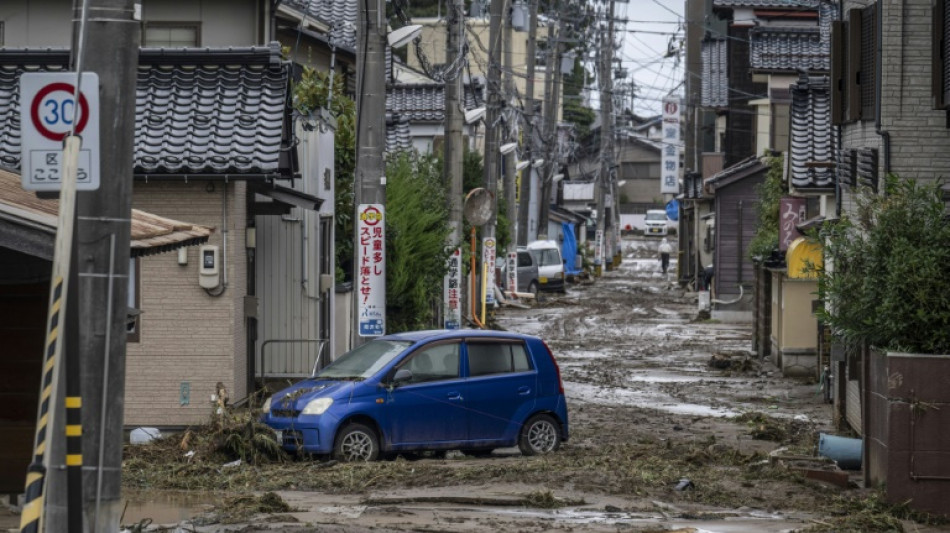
112,38
529,131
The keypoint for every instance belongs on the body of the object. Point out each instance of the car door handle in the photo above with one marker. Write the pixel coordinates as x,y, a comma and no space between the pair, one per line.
454,396
524,391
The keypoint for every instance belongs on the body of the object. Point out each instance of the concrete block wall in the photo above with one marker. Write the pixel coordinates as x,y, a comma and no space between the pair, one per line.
186,335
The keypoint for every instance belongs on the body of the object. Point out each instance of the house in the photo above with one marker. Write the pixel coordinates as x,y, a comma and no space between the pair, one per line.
27,236
237,173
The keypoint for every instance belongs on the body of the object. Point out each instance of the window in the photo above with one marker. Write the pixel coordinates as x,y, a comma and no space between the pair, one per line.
854,65
1,33
434,363
640,170
524,259
940,57
171,34
496,358
134,321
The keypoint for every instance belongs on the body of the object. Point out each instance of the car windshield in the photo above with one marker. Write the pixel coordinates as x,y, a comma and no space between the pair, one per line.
548,257
656,216
364,361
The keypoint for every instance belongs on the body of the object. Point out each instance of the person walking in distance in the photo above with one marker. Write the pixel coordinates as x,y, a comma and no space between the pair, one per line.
665,250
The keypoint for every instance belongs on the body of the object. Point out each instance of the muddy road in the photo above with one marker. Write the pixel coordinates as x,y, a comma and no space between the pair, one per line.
660,440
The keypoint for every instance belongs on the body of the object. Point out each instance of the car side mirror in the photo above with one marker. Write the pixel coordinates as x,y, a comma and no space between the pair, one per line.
403,375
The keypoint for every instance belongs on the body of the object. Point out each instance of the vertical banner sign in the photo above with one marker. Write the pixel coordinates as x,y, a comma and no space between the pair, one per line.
451,291
372,270
670,158
599,247
47,111
488,259
512,271
792,214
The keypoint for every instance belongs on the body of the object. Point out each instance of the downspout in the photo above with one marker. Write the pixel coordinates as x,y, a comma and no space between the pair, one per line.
884,134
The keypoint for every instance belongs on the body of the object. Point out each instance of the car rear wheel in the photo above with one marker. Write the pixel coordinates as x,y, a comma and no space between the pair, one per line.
355,443
539,435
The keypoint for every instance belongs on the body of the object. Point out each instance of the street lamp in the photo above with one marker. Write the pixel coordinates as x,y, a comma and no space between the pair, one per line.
474,115
506,149
521,165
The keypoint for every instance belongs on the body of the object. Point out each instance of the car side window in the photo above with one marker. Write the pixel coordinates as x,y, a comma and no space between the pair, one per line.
524,259
496,358
434,363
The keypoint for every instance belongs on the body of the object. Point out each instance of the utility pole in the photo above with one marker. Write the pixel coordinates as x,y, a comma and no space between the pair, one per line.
453,168
529,132
604,244
493,111
370,190
510,197
552,101
112,38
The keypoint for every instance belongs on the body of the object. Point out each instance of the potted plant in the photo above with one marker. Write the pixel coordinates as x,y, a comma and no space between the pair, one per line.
886,285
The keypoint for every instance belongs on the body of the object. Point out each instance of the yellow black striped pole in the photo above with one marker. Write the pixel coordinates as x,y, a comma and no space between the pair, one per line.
31,520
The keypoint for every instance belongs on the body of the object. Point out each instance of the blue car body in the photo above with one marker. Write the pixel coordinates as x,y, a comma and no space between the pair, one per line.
500,381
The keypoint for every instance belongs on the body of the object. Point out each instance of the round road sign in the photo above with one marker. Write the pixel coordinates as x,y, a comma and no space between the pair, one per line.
53,108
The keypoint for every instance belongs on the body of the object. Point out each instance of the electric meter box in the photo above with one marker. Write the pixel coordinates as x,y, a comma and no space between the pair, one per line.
209,270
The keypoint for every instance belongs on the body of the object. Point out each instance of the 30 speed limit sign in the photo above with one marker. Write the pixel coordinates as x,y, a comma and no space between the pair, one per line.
48,109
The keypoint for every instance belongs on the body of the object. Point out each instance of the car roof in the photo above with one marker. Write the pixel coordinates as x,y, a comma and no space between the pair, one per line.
438,334
537,245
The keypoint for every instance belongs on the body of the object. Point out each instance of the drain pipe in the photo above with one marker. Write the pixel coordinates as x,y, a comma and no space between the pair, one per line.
884,134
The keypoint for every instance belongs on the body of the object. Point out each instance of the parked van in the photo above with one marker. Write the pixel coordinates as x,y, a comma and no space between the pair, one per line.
655,222
550,265
527,272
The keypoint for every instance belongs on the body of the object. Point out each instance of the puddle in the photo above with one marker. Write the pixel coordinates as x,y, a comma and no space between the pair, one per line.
165,507
583,392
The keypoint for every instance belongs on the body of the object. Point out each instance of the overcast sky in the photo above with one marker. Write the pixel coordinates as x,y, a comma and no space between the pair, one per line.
645,29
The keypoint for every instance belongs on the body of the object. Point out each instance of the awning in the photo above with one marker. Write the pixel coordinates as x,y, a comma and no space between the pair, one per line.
291,196
28,225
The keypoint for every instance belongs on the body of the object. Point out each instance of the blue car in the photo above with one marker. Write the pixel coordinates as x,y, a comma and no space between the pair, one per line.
468,390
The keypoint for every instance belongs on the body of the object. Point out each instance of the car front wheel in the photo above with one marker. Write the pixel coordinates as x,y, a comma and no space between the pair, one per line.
533,289
539,435
355,443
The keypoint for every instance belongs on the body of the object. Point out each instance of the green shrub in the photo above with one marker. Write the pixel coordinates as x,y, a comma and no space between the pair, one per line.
416,232
887,275
770,194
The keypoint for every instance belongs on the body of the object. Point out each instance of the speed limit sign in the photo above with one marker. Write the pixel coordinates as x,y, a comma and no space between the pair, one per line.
48,111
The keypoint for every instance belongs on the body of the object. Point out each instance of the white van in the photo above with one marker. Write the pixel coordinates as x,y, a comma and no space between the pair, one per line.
550,265
655,222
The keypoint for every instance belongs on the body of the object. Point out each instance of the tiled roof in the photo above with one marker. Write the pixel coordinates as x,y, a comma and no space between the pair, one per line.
423,102
788,49
340,15
198,111
715,81
748,165
398,134
768,4
150,233
812,136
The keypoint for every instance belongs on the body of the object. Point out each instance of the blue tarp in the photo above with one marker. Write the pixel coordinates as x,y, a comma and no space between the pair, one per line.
673,210
569,250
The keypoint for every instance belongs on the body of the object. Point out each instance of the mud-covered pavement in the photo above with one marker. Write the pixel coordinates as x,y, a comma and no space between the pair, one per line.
660,440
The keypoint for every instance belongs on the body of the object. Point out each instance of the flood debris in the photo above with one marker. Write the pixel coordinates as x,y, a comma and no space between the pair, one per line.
781,430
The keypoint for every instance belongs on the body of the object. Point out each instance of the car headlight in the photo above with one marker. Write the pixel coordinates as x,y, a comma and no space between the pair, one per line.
317,406
266,407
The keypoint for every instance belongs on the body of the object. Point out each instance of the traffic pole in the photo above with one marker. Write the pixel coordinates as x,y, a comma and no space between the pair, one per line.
31,520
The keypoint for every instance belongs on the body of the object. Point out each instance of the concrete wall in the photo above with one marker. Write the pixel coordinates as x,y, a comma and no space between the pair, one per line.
187,336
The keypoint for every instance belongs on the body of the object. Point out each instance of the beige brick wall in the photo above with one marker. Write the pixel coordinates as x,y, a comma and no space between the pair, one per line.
920,139
186,335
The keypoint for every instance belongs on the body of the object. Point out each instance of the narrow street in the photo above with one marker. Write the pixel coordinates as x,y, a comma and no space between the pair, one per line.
660,440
